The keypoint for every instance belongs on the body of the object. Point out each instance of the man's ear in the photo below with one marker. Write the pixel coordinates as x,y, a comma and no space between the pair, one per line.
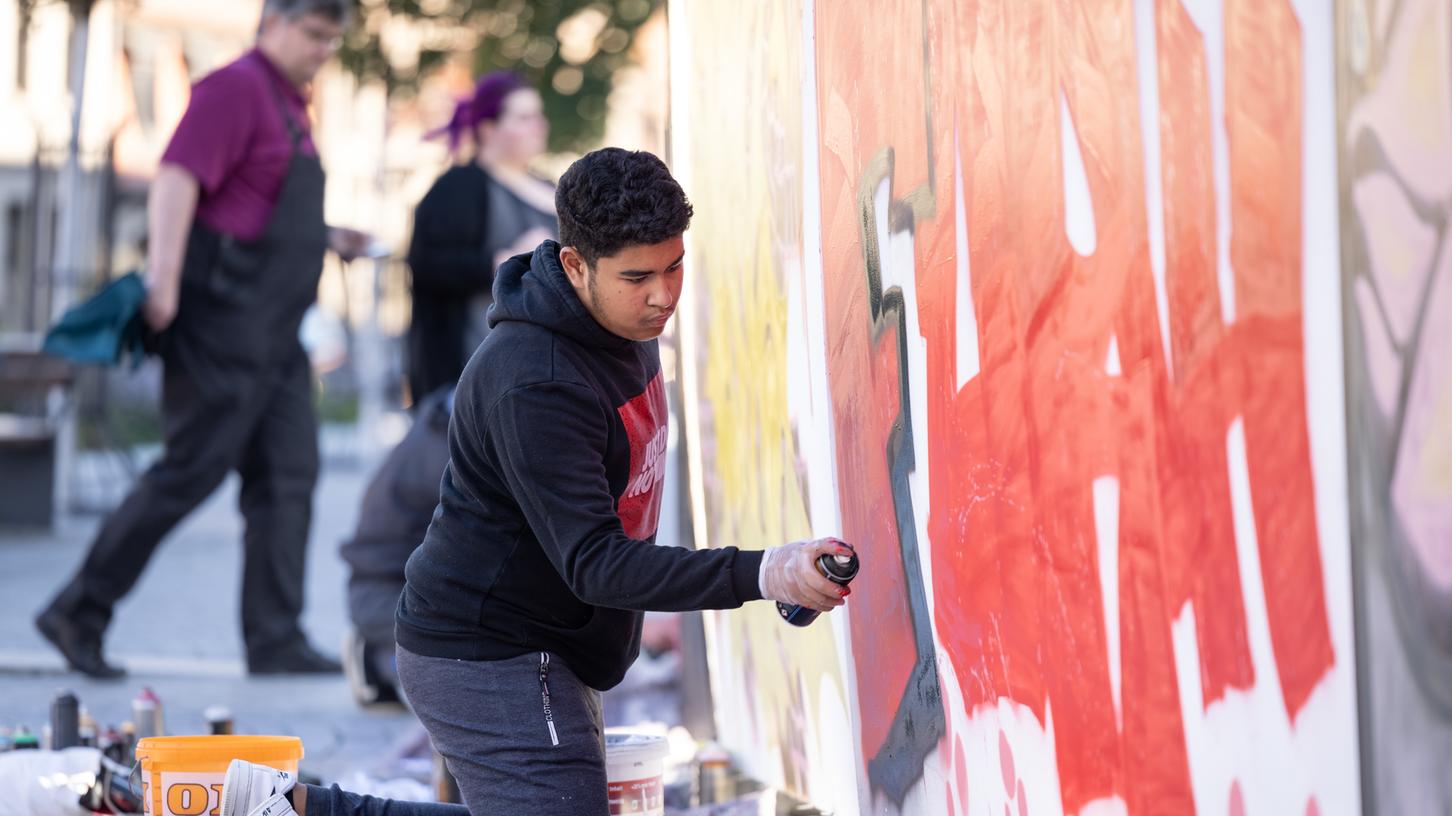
575,267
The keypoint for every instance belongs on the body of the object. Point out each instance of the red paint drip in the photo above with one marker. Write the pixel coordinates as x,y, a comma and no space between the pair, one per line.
1237,801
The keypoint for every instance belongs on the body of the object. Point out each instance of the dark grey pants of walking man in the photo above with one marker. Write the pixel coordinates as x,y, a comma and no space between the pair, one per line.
521,736
236,395
217,420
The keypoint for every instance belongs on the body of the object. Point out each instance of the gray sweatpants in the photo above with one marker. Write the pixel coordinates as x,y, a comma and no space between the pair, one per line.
521,736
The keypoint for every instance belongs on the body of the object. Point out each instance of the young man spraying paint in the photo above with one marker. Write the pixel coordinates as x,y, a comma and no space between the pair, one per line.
525,599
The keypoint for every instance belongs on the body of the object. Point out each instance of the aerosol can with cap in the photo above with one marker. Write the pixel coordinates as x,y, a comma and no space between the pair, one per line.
839,569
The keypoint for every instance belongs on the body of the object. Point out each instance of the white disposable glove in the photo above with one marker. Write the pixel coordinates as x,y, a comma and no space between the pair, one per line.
789,574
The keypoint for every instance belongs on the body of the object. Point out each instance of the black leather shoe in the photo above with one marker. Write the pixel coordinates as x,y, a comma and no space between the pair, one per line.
80,648
298,658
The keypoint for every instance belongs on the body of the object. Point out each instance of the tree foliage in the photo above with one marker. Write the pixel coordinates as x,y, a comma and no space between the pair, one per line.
568,49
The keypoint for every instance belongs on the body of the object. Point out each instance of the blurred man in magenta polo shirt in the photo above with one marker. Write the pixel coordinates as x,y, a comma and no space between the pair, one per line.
236,238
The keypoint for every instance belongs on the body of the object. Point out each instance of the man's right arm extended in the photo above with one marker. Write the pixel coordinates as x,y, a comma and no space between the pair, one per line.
550,440
172,205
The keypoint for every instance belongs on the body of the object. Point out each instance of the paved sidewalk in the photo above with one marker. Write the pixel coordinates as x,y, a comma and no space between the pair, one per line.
179,633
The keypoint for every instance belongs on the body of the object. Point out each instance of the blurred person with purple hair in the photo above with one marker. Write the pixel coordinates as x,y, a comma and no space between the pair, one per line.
476,215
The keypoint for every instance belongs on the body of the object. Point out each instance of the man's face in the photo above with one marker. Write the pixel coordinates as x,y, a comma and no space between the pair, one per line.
634,292
300,46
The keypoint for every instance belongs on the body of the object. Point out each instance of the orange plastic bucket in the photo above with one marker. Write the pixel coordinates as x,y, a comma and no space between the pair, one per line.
182,776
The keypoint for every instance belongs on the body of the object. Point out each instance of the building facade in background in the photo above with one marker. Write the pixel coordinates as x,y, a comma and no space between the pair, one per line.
141,61
142,57
60,240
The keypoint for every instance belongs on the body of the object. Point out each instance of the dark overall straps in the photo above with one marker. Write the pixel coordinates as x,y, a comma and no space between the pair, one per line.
296,236
242,302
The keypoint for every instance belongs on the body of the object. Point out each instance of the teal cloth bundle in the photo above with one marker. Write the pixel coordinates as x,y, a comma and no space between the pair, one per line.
103,328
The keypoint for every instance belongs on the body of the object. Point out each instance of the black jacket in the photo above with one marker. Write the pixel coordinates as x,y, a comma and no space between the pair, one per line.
463,220
451,261
544,535
400,499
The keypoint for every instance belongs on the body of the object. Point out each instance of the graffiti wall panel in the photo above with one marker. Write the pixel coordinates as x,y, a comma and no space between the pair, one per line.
780,692
874,443
1062,316
1028,452
1199,510
1263,83
1396,160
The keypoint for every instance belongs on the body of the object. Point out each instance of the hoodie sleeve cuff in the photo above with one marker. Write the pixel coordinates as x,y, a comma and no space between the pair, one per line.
746,575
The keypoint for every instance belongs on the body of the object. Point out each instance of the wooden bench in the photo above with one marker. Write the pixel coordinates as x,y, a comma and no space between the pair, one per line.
33,391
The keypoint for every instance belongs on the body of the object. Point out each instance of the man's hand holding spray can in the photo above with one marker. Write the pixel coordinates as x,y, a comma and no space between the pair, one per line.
808,578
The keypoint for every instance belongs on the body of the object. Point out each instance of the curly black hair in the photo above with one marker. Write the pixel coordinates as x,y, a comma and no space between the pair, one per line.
612,199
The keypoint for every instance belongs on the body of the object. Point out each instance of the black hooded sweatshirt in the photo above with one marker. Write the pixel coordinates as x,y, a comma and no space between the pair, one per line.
543,539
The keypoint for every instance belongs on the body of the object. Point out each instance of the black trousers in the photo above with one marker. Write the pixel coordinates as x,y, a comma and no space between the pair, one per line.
219,417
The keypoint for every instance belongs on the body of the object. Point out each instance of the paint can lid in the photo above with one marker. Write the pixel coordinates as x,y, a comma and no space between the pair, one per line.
625,747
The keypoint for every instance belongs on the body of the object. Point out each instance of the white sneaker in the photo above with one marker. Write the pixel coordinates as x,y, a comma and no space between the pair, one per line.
256,790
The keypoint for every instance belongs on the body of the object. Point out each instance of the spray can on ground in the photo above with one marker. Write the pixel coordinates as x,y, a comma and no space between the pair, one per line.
219,719
88,729
65,712
128,743
839,569
111,745
713,780
24,740
146,713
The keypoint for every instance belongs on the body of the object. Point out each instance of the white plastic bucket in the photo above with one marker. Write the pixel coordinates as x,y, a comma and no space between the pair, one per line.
634,771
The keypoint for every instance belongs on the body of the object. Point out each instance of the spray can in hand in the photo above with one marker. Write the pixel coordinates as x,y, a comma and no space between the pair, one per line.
839,569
